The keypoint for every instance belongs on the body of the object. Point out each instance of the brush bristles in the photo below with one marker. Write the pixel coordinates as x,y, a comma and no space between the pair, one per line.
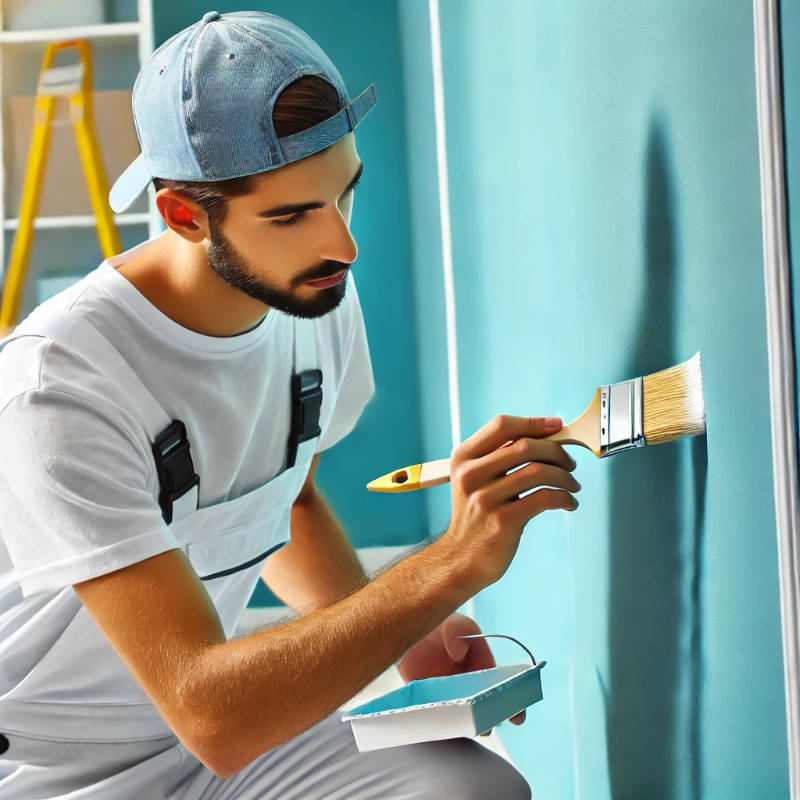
673,402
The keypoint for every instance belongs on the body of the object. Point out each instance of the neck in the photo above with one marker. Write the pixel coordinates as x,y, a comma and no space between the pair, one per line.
175,276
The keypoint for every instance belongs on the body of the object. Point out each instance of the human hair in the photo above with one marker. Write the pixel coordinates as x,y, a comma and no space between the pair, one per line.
302,104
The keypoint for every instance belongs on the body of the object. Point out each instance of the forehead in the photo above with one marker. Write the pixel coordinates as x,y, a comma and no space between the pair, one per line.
331,168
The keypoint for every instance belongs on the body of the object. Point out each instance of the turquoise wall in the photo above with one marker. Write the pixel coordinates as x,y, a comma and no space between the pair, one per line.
603,161
606,224
364,53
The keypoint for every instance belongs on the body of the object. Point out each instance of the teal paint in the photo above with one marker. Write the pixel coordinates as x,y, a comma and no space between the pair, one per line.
389,431
605,196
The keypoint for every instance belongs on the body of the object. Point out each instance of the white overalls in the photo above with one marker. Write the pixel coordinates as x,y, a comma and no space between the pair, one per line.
79,726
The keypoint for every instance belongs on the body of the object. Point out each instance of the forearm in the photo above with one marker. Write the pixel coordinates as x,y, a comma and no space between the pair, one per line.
318,566
251,694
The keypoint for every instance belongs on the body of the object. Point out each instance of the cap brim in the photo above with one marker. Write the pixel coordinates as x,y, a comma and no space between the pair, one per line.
130,186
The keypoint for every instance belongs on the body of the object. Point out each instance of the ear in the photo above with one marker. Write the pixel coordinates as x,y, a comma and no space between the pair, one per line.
183,216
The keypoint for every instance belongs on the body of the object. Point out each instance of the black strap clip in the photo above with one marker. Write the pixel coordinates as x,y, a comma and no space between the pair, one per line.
174,465
306,404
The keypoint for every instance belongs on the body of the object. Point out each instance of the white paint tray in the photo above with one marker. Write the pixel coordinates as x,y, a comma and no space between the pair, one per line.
447,707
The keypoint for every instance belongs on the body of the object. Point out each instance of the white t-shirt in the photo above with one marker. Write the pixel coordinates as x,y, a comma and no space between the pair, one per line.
78,495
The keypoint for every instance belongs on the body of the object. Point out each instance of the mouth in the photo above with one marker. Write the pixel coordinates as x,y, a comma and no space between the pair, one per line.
326,282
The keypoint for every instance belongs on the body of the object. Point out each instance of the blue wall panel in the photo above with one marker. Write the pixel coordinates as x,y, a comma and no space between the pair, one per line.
603,162
606,224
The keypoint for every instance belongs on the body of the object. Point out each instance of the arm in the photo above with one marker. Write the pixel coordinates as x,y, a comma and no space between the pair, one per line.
231,701
319,565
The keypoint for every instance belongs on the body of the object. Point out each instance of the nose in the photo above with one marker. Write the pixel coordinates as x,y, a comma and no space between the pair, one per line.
339,242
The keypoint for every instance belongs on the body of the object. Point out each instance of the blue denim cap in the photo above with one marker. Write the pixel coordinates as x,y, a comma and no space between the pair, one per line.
202,103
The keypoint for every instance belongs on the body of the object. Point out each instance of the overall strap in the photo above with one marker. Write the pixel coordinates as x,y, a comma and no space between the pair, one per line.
179,484
307,386
305,335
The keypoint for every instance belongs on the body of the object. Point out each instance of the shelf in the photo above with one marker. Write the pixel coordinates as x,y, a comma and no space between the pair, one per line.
110,30
88,221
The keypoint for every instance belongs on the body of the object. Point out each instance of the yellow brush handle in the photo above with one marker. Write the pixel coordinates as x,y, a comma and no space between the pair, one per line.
409,479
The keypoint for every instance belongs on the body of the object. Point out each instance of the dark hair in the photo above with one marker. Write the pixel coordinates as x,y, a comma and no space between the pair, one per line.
301,105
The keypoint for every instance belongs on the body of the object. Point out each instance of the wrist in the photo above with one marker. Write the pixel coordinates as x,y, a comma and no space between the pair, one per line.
450,573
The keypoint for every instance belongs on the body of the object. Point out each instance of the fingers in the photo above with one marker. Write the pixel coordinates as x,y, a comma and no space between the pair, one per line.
529,477
472,654
541,500
495,465
504,428
451,629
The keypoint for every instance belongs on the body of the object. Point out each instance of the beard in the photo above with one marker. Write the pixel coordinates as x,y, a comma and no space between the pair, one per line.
237,272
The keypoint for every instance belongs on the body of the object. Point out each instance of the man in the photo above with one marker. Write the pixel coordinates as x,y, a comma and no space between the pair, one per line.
161,424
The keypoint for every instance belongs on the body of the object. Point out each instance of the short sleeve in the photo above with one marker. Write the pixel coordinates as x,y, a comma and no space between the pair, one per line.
76,492
356,385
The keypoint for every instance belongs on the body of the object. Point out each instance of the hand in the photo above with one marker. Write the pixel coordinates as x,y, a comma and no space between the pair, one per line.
440,653
488,514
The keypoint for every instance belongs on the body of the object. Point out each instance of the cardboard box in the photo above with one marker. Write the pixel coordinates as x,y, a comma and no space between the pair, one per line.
445,708
64,191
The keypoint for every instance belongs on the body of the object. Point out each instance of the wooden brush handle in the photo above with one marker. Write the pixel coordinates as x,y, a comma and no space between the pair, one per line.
585,430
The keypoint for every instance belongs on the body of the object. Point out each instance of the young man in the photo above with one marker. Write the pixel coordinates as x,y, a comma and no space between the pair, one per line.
161,423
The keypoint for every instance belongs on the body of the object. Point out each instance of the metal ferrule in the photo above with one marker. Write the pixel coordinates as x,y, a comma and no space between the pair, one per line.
621,412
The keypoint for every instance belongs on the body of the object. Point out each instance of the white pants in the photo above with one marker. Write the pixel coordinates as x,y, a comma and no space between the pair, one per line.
320,764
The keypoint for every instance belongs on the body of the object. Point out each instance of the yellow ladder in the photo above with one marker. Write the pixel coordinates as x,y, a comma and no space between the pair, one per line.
74,81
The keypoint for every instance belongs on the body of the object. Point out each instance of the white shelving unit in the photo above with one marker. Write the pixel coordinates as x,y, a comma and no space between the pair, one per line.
26,47
116,30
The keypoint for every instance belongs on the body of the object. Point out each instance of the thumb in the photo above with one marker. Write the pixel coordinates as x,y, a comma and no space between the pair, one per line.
452,627
455,648
546,426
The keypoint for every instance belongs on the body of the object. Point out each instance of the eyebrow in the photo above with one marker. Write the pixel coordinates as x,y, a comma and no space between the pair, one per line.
293,208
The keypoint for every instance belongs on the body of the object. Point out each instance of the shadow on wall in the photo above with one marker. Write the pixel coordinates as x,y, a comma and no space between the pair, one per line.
647,610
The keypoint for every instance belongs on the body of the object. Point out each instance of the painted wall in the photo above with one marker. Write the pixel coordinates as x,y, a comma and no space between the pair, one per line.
603,162
364,53
606,224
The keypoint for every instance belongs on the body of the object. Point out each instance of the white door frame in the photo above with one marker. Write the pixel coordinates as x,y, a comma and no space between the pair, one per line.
780,347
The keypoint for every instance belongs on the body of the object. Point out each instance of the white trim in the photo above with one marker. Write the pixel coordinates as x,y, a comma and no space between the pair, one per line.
446,236
108,30
146,47
77,221
777,283
444,216
145,23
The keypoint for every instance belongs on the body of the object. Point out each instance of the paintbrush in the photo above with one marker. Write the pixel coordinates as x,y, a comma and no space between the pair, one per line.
656,408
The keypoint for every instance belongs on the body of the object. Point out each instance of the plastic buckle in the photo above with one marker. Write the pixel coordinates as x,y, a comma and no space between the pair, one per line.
306,405
174,466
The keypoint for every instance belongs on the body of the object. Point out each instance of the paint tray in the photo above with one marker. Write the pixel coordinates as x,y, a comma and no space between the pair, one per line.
446,707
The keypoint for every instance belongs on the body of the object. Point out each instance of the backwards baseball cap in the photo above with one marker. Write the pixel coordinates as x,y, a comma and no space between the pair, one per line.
203,102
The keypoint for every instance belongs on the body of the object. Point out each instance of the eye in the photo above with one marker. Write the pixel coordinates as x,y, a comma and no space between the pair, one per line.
293,220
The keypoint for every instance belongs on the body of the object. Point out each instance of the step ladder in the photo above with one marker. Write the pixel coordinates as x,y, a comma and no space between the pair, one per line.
75,82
